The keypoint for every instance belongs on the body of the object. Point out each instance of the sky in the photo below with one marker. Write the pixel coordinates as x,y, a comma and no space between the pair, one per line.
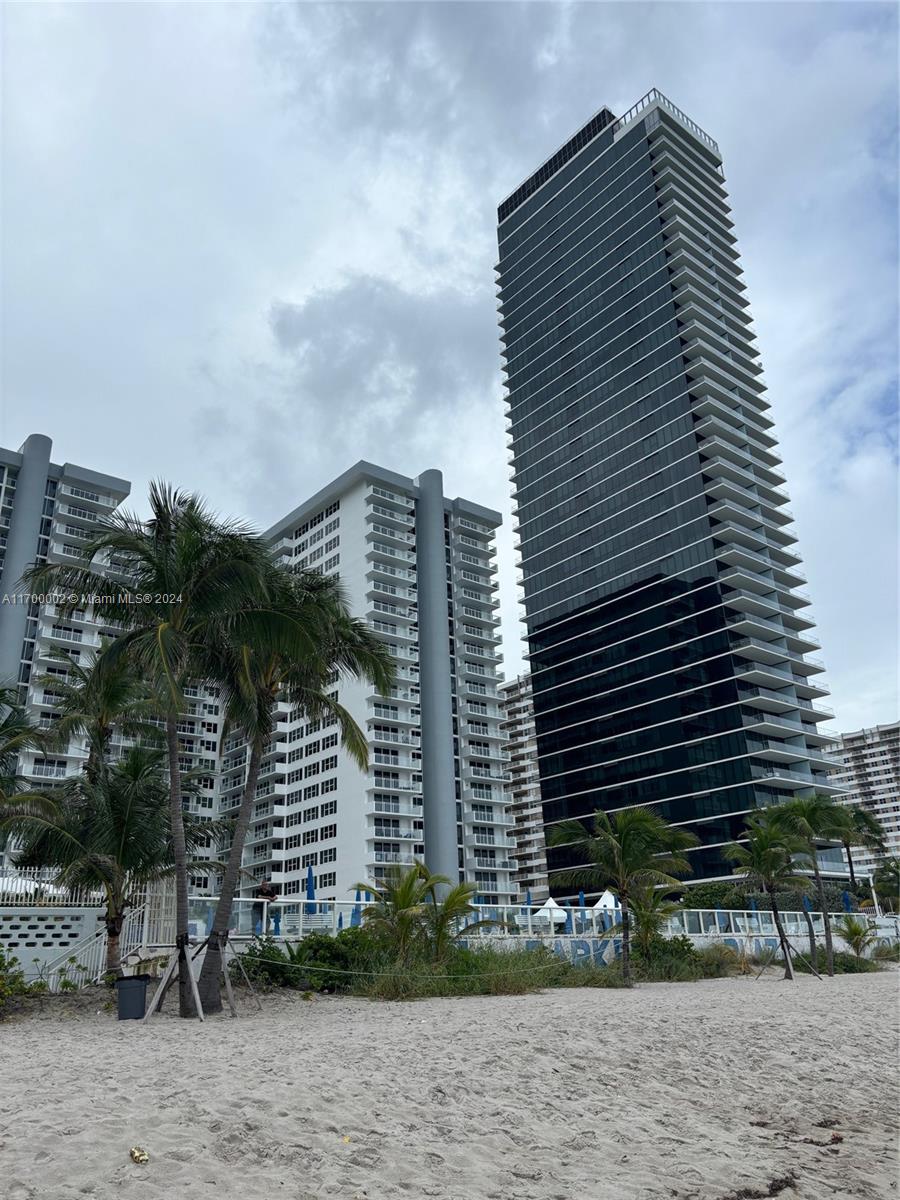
244,246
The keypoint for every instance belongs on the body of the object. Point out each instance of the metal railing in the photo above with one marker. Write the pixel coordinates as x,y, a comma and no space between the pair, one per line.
654,96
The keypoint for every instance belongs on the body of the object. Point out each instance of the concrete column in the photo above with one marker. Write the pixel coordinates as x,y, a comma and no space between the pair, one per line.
439,790
21,548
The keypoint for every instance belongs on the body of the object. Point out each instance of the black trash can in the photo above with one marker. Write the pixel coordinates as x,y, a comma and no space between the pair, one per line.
131,997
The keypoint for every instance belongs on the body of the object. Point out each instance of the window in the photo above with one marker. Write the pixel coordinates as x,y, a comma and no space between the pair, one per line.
311,769
310,836
329,879
328,832
328,742
310,793
328,785
313,748
329,808
328,856
330,764
310,860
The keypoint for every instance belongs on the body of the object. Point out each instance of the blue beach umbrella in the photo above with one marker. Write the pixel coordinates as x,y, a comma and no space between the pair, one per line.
806,904
581,905
310,891
848,905
528,897
569,928
356,912
340,920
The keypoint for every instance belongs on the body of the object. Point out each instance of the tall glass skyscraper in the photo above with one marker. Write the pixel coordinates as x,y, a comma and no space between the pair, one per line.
667,629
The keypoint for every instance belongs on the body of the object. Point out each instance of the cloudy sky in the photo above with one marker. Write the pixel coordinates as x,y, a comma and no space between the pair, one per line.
246,245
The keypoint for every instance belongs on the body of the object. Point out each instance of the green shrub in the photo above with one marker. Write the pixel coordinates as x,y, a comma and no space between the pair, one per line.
718,960
667,960
265,964
12,981
334,964
845,963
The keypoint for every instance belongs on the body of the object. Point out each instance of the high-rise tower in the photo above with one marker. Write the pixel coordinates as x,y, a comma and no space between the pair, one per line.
418,568
667,631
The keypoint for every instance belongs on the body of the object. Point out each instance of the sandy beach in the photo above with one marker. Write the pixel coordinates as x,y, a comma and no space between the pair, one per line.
719,1090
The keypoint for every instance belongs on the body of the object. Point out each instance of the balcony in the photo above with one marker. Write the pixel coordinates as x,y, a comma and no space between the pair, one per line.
737,445
89,496
379,512
742,579
400,808
485,814
723,467
682,234
783,778
769,575
757,540
397,739
695,283
377,566
385,497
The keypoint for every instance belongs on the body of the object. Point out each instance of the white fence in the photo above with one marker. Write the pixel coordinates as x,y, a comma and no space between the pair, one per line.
59,943
35,886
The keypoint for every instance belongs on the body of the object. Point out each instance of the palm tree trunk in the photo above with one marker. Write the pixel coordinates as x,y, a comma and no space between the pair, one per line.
849,854
114,924
626,941
785,949
211,972
823,905
179,854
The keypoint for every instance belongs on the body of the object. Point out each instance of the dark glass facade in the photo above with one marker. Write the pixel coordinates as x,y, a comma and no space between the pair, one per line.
666,635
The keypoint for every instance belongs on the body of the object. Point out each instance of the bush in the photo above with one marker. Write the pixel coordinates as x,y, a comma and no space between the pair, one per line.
845,963
334,964
718,960
667,960
12,981
265,963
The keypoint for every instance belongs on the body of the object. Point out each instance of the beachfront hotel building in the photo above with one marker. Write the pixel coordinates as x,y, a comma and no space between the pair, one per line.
869,775
668,631
523,790
419,568
48,512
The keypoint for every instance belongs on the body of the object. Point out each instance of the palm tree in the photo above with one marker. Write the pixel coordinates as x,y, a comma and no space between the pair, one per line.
397,912
96,699
766,860
262,677
447,916
815,819
110,832
887,883
18,733
630,849
189,577
857,933
863,830
650,908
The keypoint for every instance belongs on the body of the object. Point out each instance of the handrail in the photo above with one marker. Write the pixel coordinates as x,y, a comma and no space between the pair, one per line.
655,96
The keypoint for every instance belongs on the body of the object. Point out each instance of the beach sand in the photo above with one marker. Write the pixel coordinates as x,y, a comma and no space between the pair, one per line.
719,1090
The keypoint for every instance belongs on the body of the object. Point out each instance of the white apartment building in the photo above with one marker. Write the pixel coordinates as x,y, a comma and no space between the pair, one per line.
420,569
870,773
48,513
523,791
